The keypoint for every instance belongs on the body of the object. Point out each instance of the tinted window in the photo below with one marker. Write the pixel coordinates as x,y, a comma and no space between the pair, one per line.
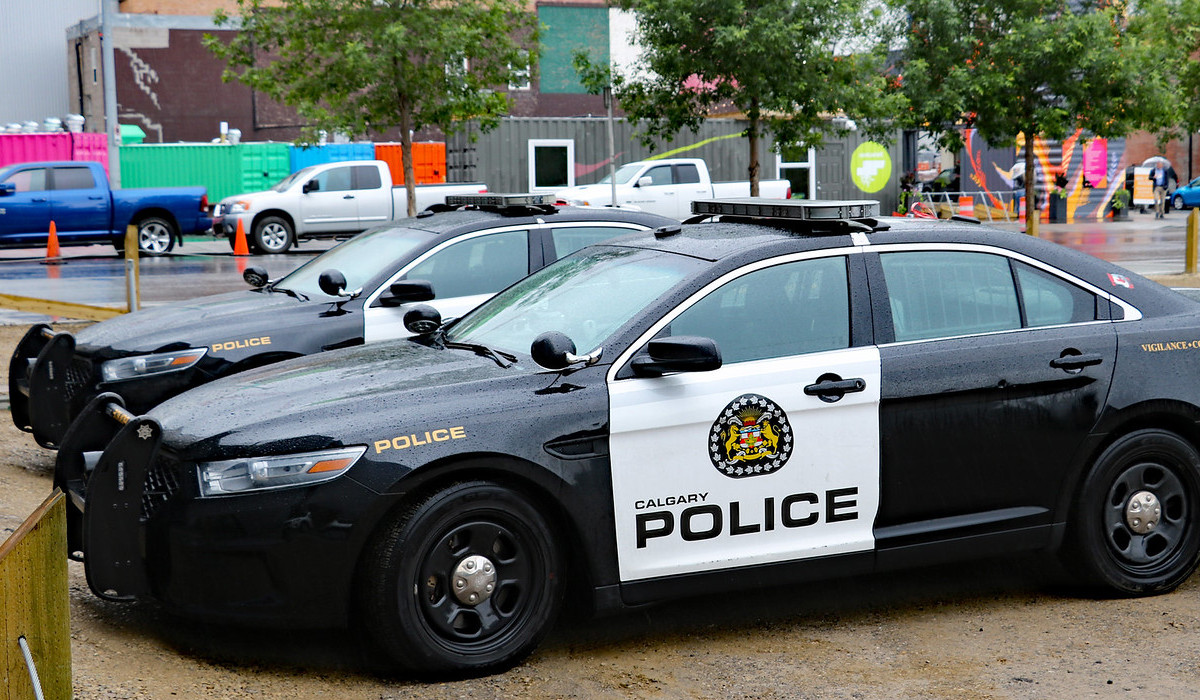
73,179
569,240
29,180
366,177
774,312
660,175
686,173
945,294
482,265
336,180
1050,301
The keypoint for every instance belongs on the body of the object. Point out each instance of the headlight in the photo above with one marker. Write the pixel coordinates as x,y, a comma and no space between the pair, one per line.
143,365
259,473
239,207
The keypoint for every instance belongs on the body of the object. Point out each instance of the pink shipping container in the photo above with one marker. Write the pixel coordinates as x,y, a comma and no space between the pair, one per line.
26,148
90,147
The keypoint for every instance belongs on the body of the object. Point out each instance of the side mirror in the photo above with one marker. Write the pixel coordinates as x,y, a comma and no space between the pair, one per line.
332,282
645,181
311,186
684,353
8,189
407,291
255,276
422,319
552,350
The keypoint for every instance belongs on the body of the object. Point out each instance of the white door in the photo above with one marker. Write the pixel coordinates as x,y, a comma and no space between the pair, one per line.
372,197
660,196
758,461
332,206
465,272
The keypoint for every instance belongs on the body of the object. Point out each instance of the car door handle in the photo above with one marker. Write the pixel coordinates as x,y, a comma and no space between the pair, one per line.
1075,362
94,196
37,199
830,388
348,196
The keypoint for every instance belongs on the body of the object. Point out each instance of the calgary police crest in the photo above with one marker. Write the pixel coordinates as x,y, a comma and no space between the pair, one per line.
752,436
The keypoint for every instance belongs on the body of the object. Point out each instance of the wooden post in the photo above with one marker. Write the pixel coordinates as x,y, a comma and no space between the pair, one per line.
133,282
33,588
1193,228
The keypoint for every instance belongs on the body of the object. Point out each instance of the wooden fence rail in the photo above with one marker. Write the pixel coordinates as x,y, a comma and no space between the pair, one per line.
34,595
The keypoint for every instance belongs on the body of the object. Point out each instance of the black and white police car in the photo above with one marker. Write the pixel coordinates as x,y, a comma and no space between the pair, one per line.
772,392
357,291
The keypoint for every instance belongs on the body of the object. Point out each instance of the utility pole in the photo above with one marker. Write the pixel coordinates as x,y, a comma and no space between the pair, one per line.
108,8
612,149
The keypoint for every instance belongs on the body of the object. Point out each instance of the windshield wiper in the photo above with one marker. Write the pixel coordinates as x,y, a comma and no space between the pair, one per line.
289,292
484,351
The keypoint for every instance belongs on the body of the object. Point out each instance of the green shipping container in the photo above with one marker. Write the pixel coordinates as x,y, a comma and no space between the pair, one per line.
263,164
215,166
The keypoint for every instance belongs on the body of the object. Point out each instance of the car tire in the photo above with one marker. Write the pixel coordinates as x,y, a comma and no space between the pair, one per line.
466,535
156,236
1118,540
1177,203
272,234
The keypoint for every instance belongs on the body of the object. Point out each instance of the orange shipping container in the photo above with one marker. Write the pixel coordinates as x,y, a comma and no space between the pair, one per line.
429,161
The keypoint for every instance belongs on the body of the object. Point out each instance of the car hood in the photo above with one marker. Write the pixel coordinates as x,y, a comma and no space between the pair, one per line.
194,323
348,396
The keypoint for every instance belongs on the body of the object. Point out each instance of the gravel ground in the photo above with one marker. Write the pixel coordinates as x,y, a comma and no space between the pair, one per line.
1001,629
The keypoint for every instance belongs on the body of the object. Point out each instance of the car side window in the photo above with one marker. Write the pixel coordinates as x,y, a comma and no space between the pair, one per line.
783,310
481,265
687,174
334,180
366,177
942,294
73,179
568,240
1051,301
32,180
660,175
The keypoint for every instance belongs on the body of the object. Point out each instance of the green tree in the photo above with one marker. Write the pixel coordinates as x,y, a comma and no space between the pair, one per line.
366,66
1009,67
1172,28
788,66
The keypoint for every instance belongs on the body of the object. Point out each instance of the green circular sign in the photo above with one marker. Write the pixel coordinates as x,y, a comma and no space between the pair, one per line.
870,167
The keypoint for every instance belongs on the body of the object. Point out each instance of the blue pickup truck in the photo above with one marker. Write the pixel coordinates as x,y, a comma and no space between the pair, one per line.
75,195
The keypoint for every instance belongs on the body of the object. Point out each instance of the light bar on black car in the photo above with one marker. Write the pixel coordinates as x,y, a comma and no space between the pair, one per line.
500,200
799,209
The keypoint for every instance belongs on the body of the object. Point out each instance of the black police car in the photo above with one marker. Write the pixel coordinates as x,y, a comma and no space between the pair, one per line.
466,256
774,392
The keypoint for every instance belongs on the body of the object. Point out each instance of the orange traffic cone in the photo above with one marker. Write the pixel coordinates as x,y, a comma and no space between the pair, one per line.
239,240
52,254
52,243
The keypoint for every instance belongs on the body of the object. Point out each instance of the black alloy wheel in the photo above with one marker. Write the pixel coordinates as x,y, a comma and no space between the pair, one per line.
1137,522
464,582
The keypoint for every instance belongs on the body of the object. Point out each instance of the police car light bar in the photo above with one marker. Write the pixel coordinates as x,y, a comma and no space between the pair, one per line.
492,199
798,209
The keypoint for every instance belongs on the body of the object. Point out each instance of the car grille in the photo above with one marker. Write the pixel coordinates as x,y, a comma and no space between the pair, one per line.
162,482
79,376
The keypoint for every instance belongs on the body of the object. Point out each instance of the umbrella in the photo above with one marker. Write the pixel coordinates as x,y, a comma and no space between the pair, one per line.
1153,160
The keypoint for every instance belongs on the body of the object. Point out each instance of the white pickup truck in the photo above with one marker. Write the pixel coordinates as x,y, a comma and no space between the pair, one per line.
667,187
326,200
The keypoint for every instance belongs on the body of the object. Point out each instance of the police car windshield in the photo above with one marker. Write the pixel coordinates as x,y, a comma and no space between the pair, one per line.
588,296
360,259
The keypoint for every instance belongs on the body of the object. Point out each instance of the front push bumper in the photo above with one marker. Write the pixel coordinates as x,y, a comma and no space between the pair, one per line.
104,476
43,377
